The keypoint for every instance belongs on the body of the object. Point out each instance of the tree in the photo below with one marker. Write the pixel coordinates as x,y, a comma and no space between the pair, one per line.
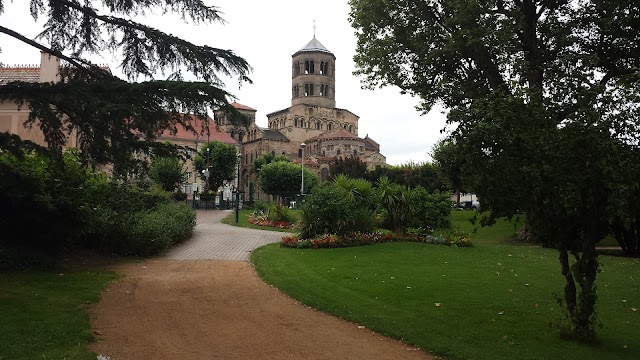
113,117
545,97
450,164
220,160
167,172
267,158
284,178
352,167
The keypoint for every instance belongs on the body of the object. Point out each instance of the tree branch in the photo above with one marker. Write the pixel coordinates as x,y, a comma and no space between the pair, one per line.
78,63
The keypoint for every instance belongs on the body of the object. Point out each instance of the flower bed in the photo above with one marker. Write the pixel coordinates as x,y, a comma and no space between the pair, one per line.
262,221
378,236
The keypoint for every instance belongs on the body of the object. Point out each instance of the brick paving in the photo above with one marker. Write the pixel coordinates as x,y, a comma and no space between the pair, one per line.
213,240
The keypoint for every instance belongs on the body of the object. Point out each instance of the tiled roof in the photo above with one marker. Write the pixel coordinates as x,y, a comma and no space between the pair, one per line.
334,134
272,134
371,144
215,134
242,107
314,45
23,73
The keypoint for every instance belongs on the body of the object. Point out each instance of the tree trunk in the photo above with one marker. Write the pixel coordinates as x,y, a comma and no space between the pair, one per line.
570,285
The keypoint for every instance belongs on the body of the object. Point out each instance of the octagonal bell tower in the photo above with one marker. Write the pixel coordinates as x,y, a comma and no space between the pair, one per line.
314,76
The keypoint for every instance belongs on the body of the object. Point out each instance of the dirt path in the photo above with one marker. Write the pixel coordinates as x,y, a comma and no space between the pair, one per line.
167,309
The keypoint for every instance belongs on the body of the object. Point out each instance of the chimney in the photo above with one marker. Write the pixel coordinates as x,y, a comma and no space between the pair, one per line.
49,68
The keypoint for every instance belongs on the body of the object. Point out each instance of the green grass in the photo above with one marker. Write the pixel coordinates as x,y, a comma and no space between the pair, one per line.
44,315
243,221
393,287
502,232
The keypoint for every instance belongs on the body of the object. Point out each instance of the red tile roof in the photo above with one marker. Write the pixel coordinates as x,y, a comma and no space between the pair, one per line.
215,134
242,107
28,73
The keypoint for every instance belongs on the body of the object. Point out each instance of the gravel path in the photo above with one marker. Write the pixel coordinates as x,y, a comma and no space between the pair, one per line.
214,309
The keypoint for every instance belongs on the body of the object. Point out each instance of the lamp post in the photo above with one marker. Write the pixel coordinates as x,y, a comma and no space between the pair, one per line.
303,145
238,187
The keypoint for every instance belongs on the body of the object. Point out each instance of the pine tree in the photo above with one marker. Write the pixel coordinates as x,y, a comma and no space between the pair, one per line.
116,117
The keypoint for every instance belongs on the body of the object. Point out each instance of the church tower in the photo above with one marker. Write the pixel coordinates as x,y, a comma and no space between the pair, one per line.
314,76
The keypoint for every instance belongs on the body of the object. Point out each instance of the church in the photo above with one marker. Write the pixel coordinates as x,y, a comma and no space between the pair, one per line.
312,129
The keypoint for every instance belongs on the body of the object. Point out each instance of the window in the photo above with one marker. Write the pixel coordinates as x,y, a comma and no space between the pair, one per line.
338,152
283,152
296,91
324,68
299,153
273,153
245,159
318,125
308,89
330,126
309,67
324,174
295,122
322,90
296,68
323,153
355,152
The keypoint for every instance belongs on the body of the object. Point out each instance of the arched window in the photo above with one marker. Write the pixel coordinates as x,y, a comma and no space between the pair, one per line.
351,128
322,91
355,153
308,89
309,67
273,152
296,91
295,122
324,67
330,126
296,69
324,174
283,152
338,152
318,125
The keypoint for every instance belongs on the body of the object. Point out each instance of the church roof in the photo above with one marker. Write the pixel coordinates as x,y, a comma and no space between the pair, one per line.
242,107
370,143
334,134
272,134
314,46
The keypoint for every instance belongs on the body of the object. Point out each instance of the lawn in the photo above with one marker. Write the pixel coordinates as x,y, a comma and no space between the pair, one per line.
243,221
45,315
496,301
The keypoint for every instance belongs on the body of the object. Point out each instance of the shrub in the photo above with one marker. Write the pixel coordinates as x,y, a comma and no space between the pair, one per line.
331,209
429,210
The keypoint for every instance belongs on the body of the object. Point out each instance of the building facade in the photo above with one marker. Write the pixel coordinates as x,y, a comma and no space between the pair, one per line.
312,119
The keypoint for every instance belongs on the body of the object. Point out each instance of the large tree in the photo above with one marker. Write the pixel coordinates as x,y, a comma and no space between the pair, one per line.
545,97
216,162
115,117
283,178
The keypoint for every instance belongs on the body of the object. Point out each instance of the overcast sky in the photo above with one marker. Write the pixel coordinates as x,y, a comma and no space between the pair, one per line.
266,34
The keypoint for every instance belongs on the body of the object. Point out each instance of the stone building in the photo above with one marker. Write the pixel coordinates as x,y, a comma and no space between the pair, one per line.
328,132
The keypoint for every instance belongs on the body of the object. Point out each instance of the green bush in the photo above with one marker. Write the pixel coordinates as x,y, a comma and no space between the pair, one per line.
58,205
143,233
331,209
429,210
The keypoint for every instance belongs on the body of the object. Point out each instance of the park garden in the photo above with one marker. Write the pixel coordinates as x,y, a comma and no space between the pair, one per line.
439,281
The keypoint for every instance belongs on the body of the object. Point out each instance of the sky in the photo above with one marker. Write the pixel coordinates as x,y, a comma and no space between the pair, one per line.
266,34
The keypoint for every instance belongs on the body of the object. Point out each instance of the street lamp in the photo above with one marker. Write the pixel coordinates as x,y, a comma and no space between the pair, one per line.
303,145
238,186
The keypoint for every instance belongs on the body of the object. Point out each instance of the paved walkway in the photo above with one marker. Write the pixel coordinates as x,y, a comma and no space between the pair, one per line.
213,240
